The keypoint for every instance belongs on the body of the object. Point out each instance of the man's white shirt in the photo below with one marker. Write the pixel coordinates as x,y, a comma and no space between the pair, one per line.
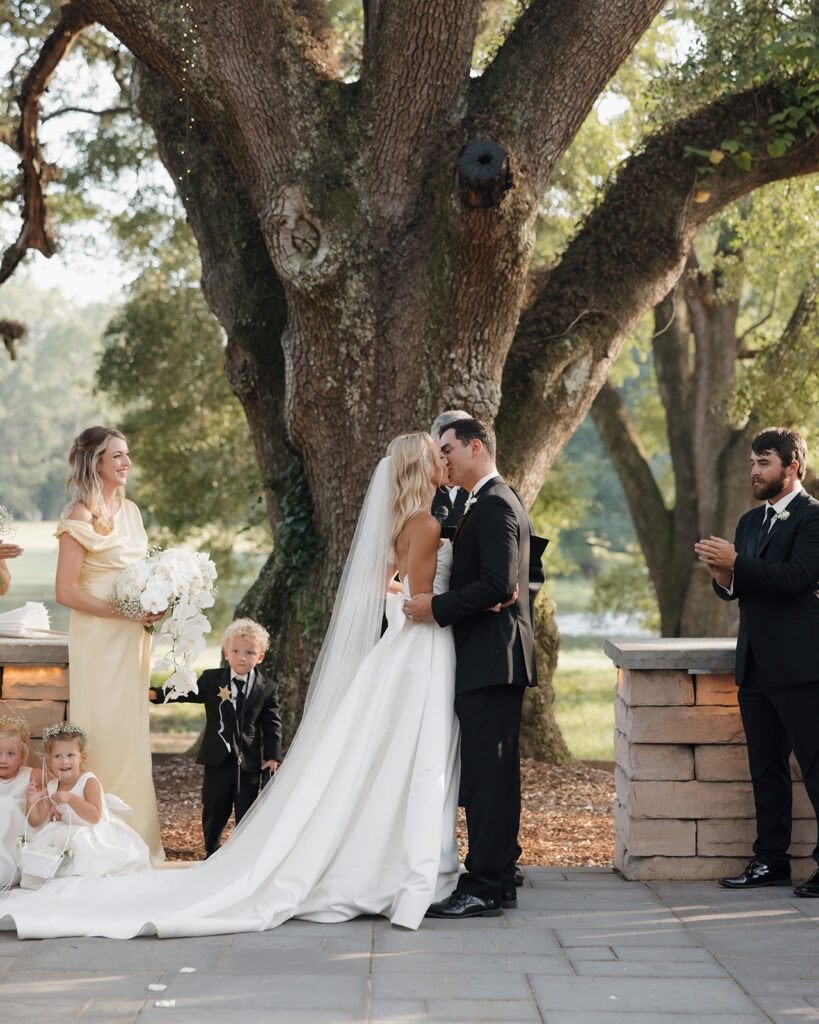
472,497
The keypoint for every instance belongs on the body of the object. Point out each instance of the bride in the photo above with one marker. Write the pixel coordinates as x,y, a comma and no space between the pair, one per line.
360,818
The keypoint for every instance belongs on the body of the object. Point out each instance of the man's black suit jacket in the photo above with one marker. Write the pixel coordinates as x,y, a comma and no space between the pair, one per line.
491,558
261,724
778,593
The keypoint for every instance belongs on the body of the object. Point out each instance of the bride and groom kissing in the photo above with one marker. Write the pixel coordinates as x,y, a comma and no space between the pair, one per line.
360,817
495,662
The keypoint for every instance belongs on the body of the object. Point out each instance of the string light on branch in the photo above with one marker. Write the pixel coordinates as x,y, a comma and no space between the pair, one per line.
188,54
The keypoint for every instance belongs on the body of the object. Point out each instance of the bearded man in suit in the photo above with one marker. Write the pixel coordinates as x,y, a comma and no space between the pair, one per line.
495,662
772,569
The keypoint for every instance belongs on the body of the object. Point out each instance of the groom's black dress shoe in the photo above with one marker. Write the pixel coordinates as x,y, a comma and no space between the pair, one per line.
518,877
809,888
462,904
509,898
756,875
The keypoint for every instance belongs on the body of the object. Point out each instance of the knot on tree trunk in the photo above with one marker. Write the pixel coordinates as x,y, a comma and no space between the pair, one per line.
483,169
299,245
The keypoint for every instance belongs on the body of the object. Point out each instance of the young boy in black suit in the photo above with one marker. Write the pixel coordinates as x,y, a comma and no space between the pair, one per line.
243,733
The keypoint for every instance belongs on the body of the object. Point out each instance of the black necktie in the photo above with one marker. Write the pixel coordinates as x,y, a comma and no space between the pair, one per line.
240,700
770,512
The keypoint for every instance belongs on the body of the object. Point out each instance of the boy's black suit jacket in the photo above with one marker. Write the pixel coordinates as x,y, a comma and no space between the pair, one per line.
491,558
778,592
262,727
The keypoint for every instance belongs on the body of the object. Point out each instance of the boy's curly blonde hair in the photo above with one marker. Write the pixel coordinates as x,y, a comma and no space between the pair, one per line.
248,629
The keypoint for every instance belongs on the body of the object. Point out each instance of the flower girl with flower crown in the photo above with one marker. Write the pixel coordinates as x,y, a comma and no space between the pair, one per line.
73,813
14,780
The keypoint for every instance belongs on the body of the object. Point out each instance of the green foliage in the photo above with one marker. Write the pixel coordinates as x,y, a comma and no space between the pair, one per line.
298,547
45,397
624,587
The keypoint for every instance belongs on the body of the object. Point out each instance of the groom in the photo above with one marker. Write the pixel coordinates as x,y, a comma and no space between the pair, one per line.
495,663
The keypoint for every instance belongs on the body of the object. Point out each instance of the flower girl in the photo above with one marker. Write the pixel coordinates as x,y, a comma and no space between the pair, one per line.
74,813
14,782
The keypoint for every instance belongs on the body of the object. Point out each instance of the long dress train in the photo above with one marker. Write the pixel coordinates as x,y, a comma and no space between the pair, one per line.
360,822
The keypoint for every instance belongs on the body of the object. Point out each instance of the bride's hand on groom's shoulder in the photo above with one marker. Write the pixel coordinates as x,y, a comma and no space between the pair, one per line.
419,608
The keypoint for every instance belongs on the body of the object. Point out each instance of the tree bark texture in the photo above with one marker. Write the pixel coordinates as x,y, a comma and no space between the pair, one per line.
370,292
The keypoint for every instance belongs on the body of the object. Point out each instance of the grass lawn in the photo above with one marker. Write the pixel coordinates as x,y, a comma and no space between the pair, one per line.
584,699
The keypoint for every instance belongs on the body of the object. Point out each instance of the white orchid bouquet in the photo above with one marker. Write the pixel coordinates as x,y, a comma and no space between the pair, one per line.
180,583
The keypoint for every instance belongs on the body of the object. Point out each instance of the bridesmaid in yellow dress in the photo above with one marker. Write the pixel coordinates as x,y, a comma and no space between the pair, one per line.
101,532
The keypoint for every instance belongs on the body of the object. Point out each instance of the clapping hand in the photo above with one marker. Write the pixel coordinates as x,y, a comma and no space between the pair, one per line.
10,550
719,556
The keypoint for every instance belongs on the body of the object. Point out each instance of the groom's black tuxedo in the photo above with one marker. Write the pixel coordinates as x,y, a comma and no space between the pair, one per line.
495,662
776,581
491,558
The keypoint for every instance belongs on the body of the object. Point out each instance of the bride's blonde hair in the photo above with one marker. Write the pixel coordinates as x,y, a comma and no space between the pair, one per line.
83,481
414,459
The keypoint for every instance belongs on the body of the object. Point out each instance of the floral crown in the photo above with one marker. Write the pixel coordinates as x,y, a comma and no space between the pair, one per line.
64,729
7,721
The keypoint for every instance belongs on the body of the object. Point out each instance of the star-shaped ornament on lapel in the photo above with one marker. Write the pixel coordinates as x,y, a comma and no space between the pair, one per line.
224,693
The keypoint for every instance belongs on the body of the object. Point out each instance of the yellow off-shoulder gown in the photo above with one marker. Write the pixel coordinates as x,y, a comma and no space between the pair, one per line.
109,672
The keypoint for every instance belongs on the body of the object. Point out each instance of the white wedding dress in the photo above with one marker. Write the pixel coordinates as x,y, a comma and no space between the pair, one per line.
359,819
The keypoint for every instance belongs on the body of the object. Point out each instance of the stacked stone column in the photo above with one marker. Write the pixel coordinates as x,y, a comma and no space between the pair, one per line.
34,683
684,807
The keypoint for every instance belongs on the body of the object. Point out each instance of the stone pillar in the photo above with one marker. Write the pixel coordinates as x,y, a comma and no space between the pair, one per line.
34,683
684,807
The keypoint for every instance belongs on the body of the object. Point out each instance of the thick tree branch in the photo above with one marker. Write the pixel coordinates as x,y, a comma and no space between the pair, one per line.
623,261
550,70
262,96
652,520
414,70
36,232
107,112
238,279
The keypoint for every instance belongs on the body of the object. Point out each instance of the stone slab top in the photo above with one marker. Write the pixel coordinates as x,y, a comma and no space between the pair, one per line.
690,654
28,651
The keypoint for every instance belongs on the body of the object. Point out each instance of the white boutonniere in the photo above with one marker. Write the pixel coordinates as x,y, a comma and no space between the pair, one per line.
782,516
470,501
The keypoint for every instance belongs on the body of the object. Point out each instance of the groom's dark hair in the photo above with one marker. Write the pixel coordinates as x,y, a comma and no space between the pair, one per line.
784,442
469,430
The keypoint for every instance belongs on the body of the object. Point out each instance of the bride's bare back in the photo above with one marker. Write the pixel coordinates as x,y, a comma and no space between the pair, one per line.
416,551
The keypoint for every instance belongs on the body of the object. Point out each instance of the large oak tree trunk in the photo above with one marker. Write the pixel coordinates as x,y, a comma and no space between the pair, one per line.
366,244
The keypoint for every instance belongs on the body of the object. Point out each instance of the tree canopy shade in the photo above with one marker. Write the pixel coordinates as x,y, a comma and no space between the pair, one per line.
367,242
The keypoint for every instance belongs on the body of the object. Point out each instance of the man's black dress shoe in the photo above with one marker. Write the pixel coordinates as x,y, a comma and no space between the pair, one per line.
518,877
756,875
462,904
509,898
809,888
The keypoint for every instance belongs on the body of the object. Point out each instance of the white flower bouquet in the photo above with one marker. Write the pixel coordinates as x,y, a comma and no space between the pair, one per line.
180,582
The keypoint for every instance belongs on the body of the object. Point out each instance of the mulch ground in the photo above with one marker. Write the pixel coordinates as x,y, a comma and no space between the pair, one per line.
565,817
